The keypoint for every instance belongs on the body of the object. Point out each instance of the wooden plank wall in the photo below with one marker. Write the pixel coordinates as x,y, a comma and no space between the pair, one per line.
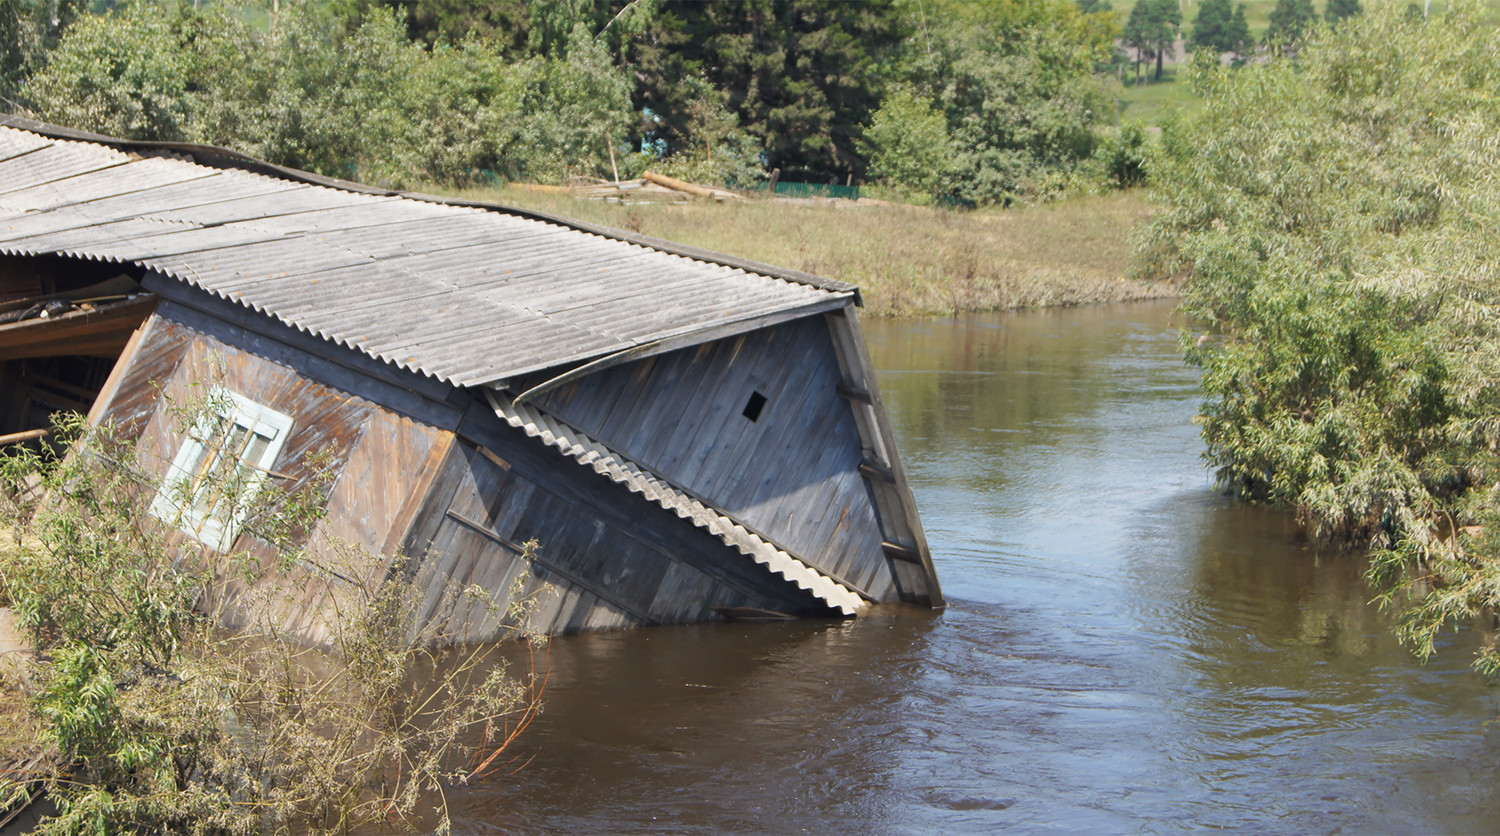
135,398
377,454
792,475
606,559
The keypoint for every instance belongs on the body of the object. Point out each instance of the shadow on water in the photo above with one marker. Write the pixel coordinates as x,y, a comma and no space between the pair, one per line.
1126,649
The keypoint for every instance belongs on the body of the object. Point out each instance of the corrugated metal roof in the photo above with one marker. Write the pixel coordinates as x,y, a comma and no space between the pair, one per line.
467,293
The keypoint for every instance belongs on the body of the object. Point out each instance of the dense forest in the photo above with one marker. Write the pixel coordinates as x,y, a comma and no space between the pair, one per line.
971,103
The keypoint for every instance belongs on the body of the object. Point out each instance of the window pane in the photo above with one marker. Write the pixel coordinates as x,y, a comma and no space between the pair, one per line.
223,458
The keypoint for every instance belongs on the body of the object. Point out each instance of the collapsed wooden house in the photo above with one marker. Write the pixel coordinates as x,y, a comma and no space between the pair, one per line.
681,432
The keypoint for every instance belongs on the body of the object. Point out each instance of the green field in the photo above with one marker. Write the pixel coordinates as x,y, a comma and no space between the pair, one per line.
1151,101
1258,12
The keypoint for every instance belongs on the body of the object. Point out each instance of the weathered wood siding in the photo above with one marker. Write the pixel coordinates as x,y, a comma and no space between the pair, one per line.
460,492
904,542
376,455
792,474
606,558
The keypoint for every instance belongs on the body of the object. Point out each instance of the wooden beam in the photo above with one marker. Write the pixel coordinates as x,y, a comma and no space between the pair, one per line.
850,393
59,385
674,342
437,456
900,552
99,332
871,469
27,435
684,186
896,507
493,457
106,396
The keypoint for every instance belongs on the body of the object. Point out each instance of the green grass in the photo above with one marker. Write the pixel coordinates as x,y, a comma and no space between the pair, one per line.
1258,12
1152,101
907,260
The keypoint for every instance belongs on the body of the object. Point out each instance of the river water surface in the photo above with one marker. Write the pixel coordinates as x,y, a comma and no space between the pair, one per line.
1124,650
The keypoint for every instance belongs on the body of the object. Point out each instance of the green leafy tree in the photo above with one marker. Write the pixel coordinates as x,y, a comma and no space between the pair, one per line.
124,75
1017,83
519,28
908,144
365,103
1334,219
577,106
28,30
1290,23
715,149
1123,157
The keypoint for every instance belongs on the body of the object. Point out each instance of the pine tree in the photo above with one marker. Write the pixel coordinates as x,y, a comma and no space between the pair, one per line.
1339,9
1152,31
1290,21
1211,28
1239,39
1137,34
1166,21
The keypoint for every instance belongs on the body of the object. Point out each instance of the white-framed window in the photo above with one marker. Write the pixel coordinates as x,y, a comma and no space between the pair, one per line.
221,465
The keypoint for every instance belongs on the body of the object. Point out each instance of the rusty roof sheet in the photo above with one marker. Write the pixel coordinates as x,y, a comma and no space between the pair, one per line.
467,293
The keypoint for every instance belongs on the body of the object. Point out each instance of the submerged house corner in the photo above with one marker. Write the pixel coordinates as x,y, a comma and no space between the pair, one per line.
681,432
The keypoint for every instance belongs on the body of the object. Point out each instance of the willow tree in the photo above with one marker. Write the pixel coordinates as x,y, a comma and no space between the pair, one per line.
1337,219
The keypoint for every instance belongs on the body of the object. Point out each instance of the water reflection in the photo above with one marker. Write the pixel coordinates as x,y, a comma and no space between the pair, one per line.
1126,649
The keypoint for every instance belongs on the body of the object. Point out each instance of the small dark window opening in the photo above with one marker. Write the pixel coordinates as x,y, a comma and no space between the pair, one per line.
754,406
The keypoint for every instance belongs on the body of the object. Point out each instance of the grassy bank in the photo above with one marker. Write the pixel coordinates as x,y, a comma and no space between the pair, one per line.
907,260
1151,102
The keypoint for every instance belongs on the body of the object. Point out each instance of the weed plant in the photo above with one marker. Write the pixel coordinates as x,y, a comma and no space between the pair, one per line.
150,715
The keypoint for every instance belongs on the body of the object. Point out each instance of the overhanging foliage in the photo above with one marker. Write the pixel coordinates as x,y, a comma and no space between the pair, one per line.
1337,218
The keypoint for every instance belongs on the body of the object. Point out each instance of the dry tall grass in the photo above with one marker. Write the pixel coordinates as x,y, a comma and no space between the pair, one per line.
907,260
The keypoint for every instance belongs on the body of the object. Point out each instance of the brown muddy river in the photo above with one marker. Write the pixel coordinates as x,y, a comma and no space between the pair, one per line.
1125,649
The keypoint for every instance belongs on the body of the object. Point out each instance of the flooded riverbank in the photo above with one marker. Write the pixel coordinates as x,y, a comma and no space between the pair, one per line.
1125,649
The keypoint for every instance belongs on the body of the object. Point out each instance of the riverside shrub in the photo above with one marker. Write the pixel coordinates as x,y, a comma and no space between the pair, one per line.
157,716
1337,217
